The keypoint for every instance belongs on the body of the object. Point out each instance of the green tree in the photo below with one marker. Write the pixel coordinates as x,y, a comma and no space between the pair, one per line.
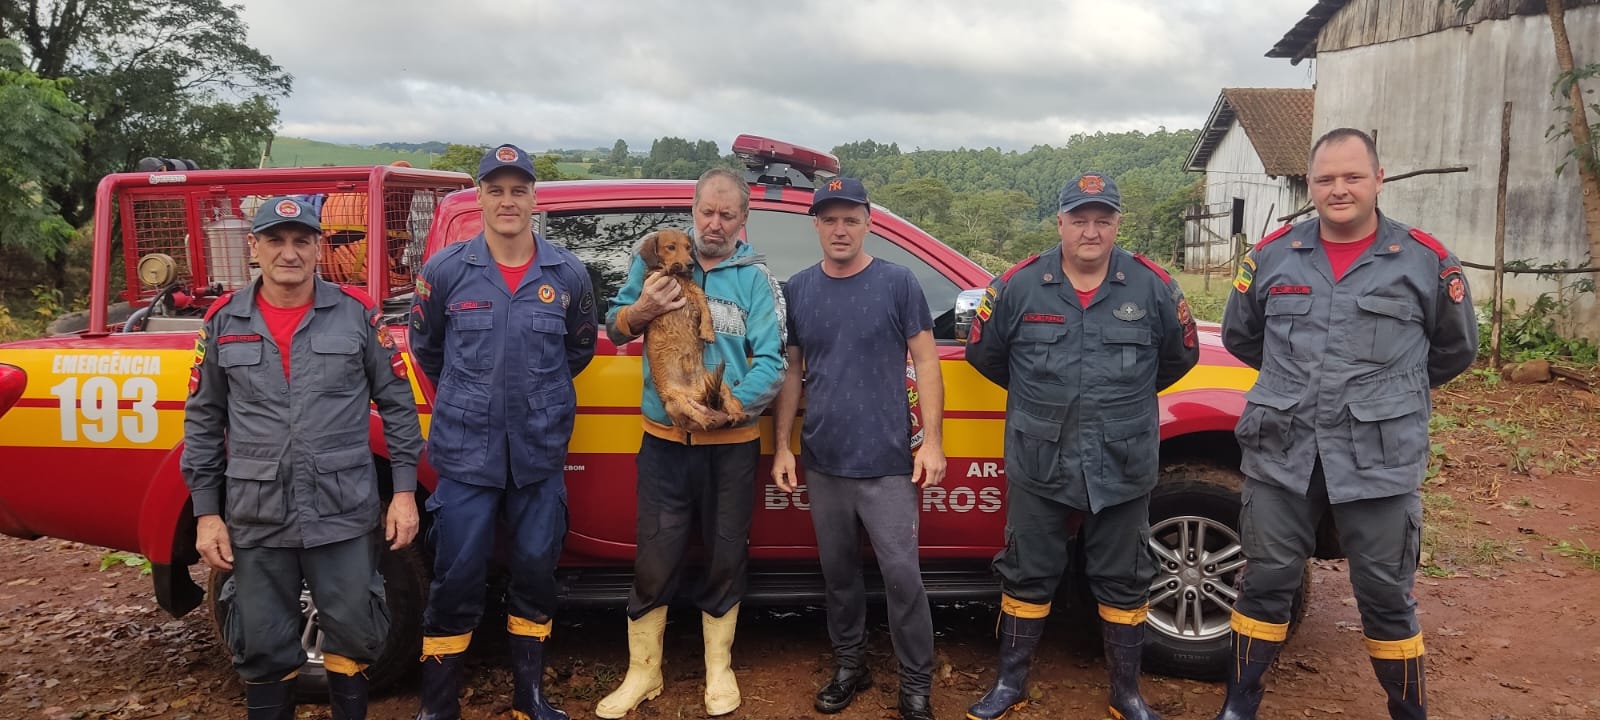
39,131
172,78
619,154
460,158
545,168
925,201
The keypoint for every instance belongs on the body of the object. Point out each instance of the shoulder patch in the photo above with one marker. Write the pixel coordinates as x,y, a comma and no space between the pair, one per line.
218,303
1430,242
1274,235
1160,272
360,295
1006,277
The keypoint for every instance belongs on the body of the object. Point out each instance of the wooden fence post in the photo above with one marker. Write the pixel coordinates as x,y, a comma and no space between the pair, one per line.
1497,314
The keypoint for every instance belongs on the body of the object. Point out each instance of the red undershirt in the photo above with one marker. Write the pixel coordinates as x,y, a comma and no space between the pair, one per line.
281,322
1341,255
513,274
1085,296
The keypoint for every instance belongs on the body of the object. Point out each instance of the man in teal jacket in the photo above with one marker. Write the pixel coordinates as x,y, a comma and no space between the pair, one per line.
709,475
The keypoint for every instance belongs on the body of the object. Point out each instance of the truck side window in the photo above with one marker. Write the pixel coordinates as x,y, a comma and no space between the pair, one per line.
604,241
790,243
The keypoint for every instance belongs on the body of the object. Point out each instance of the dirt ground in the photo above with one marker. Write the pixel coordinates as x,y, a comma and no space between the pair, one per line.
1507,596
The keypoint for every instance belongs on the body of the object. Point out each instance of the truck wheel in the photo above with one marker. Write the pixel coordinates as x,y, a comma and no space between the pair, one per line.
405,582
1194,531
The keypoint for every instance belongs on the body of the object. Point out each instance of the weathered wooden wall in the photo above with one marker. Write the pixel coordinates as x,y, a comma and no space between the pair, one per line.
1235,171
1435,101
1369,22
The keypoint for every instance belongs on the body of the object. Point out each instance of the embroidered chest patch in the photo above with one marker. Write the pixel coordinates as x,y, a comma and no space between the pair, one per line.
1129,312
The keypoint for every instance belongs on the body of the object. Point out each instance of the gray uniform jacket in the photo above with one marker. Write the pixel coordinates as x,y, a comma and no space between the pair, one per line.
1082,420
1346,367
287,463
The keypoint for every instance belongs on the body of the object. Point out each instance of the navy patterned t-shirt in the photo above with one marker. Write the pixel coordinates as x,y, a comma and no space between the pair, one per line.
852,333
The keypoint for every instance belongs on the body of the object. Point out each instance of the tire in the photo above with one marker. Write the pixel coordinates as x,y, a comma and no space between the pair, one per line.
1194,530
405,582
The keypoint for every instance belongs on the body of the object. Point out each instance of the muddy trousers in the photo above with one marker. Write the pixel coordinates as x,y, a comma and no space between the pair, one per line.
1382,538
1116,546
887,508
681,486
264,618
465,519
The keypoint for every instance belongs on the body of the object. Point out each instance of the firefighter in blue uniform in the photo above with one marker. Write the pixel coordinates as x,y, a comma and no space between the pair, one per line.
1082,336
502,324
1350,317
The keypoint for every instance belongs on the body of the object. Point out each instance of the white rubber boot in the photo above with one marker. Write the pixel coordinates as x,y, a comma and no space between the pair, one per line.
643,681
722,689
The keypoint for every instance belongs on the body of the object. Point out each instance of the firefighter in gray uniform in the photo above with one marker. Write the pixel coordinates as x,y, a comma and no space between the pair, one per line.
280,471
1351,317
1082,336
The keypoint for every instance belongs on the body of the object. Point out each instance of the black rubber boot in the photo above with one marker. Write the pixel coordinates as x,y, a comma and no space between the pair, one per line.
269,700
1402,681
527,680
1124,648
1019,637
837,694
915,707
347,696
1247,676
440,687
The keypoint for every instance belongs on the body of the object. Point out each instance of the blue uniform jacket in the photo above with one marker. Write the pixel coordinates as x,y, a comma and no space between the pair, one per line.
502,361
1082,419
1346,365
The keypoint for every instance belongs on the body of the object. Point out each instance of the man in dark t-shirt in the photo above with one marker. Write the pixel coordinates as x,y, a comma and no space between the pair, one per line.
852,320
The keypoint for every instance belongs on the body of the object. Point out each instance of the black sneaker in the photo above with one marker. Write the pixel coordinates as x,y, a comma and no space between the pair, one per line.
839,691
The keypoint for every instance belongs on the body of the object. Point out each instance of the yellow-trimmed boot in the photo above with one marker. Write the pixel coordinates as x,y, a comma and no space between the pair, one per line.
643,681
1123,633
722,689
1398,665
1255,646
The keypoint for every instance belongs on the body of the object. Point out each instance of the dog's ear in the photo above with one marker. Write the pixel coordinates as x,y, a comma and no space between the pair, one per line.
648,250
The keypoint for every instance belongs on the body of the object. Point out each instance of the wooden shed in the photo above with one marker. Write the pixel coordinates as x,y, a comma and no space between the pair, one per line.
1252,150
1430,82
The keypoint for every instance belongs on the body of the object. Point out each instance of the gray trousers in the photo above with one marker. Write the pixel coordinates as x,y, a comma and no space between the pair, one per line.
263,599
1116,548
1382,537
887,508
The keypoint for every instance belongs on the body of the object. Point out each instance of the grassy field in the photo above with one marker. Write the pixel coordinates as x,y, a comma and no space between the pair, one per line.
1206,305
300,152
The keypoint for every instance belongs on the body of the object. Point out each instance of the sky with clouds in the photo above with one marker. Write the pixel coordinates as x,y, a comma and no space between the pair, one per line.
932,74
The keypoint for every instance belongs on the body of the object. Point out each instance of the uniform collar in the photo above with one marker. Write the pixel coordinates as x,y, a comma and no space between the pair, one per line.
477,251
325,295
1116,270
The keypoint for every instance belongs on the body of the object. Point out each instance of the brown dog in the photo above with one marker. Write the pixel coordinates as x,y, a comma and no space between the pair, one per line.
695,399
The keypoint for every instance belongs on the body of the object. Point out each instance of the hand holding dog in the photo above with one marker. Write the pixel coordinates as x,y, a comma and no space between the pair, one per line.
661,294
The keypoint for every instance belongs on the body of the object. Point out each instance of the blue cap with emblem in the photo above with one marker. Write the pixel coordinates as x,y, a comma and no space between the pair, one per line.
284,209
1090,188
844,189
506,156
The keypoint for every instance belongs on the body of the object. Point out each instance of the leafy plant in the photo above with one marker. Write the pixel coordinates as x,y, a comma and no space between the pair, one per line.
133,560
1581,551
1546,329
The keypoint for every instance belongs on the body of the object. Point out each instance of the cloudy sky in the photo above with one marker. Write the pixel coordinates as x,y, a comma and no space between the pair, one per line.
923,73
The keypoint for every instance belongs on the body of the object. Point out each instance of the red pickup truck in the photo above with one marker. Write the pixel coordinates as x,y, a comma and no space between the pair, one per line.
99,410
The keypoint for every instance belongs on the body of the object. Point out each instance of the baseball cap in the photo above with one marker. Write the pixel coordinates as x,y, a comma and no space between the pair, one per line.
284,209
506,156
839,188
1088,188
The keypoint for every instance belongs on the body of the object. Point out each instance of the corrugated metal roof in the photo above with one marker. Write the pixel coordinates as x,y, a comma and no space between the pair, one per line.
1301,40
1277,122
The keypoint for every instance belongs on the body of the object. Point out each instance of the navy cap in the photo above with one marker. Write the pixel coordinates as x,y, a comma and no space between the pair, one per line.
1090,188
506,156
839,188
284,209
